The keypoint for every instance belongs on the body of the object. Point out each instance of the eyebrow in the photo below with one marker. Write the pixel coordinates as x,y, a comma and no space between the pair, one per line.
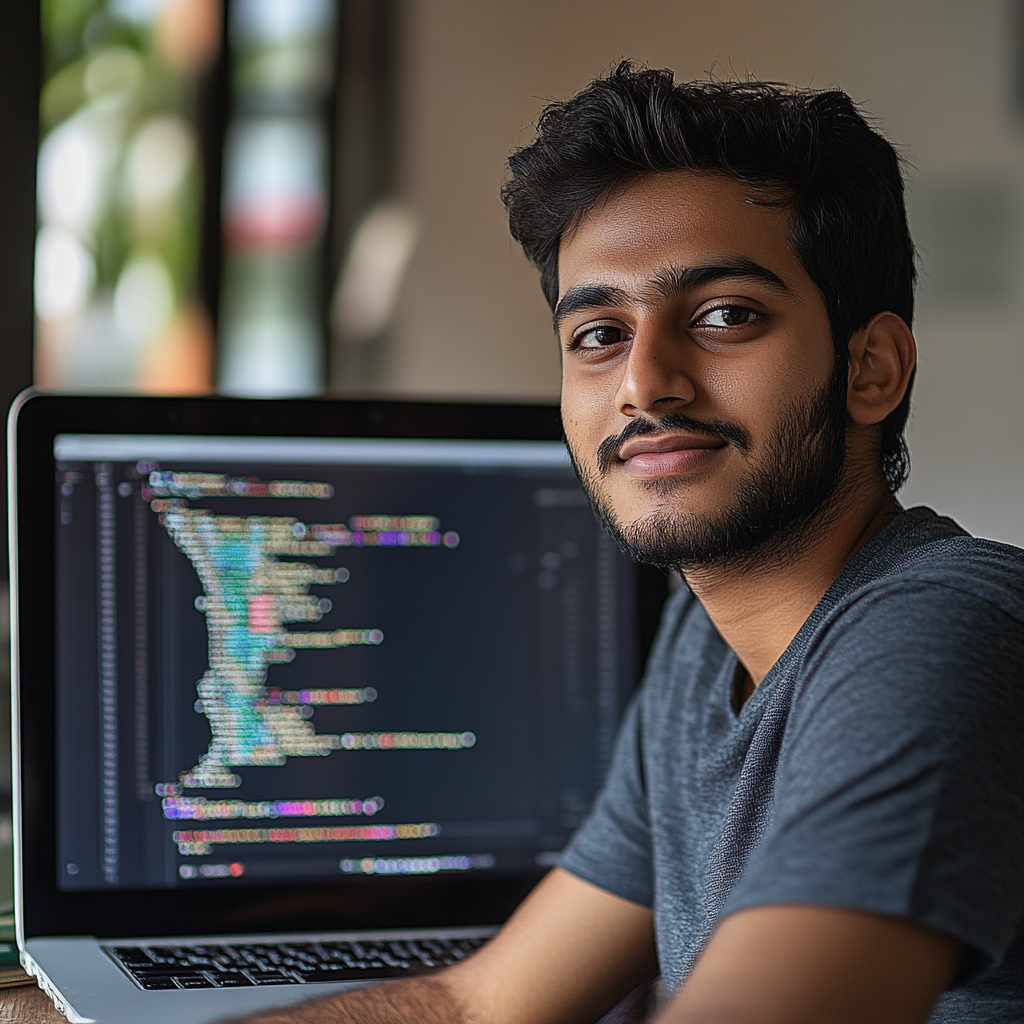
669,283
587,296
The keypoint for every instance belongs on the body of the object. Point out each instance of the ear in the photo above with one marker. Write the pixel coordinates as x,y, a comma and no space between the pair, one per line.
882,358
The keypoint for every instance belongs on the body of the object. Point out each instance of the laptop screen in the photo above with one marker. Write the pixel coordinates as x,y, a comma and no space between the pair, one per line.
291,660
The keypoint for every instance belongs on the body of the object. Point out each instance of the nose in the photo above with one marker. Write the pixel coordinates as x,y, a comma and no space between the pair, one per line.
656,377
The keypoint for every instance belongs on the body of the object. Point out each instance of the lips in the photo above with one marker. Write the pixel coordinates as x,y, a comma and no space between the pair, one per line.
667,454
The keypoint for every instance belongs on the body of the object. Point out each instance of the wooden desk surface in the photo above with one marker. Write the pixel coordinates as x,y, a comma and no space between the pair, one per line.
27,1005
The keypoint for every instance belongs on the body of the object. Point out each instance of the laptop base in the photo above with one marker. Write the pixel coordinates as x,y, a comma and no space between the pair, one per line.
94,989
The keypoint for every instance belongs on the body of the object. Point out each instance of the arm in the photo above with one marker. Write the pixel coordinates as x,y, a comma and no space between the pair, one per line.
569,953
807,965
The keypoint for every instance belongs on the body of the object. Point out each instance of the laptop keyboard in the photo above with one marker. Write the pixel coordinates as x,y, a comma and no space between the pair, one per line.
285,963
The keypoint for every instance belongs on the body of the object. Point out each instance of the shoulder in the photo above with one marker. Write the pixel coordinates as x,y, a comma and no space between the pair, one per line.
982,571
937,636
951,582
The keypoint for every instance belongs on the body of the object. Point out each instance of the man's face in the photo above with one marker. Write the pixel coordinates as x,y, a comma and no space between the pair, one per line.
698,393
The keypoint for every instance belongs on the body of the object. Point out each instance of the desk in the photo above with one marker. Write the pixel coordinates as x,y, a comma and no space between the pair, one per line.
27,1005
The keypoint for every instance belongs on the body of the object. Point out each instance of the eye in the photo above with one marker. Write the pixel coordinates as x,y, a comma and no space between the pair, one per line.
728,316
600,337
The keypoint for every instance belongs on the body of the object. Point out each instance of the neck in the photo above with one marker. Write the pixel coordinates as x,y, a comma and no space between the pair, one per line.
759,605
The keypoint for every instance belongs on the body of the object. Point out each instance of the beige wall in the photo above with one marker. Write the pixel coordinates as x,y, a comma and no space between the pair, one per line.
937,73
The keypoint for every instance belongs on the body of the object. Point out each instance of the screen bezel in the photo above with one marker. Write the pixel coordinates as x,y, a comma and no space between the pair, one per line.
345,904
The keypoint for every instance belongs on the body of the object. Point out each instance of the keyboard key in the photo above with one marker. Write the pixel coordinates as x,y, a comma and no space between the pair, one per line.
312,977
132,956
273,978
158,983
231,979
193,981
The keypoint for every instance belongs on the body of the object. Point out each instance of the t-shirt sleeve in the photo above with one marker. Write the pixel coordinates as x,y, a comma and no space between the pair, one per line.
612,848
900,785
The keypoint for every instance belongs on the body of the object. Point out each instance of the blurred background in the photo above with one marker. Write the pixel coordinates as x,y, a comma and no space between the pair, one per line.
297,197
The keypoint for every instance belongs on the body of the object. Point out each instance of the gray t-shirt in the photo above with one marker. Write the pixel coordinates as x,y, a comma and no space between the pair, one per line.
879,766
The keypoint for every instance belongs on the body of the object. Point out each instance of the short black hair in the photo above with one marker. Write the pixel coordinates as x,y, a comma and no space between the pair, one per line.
810,151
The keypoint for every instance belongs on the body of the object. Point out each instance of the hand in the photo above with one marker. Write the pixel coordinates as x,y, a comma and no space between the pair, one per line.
423,1000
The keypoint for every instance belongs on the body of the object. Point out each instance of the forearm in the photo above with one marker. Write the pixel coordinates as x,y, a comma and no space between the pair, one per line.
806,964
421,1000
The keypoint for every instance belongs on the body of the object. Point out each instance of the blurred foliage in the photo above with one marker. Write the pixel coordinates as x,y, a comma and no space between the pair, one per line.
121,81
75,33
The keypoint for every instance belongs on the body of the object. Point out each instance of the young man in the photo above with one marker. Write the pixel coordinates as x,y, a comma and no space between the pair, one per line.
816,807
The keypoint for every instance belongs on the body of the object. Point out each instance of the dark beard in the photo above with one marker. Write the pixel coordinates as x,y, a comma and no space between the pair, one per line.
779,500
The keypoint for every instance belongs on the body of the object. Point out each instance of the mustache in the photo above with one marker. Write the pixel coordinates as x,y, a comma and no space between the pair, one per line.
731,433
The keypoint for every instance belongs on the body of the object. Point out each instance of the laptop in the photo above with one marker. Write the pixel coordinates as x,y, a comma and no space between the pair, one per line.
307,694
